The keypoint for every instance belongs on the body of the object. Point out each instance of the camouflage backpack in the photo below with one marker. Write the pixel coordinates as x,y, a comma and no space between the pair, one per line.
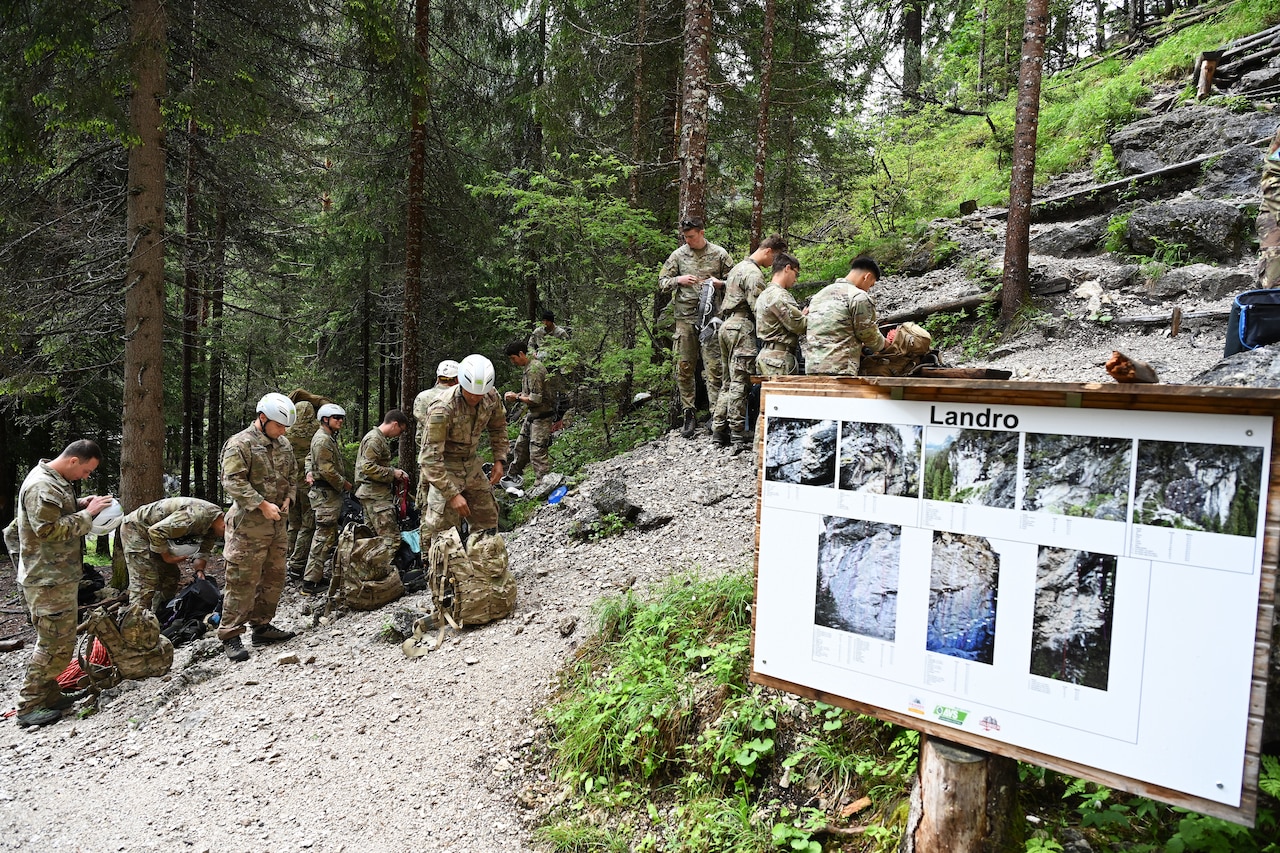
362,569
470,585
911,347
135,644
304,427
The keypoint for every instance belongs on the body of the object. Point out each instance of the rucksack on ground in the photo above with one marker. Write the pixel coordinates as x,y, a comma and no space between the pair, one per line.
408,562
134,642
362,569
184,616
471,584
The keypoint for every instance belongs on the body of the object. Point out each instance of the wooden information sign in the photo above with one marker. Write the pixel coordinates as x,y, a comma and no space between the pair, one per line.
1078,576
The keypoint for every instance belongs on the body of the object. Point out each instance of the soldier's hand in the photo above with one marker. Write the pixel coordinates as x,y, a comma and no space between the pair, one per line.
97,503
496,474
284,507
270,510
311,479
509,396
687,280
198,566
459,504
401,475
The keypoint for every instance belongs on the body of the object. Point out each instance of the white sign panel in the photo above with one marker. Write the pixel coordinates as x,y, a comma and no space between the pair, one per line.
1082,583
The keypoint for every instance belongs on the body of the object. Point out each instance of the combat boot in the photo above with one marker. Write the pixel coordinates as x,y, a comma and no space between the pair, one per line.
720,437
739,444
235,650
264,634
690,424
39,717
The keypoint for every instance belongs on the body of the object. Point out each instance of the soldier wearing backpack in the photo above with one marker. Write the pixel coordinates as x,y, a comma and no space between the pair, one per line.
376,477
450,465
152,536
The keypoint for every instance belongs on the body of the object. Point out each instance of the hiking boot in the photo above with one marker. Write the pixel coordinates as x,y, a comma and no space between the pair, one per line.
720,437
295,576
315,587
39,717
690,424
266,634
235,650
66,701
739,445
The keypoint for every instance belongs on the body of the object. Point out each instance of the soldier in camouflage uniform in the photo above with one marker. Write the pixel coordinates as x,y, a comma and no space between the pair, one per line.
302,520
779,320
535,432
459,488
258,475
1268,222
376,478
446,379
147,534
682,275
50,526
738,343
842,320
546,329
328,478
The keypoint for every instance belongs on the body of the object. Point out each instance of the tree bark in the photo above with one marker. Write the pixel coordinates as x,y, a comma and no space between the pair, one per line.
637,104
963,801
366,320
414,225
696,96
217,290
190,290
912,43
1099,26
143,433
1017,275
762,124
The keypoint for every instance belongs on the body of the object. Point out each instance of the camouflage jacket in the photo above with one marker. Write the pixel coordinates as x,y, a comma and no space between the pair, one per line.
301,433
842,320
778,317
540,334
741,290
375,475
176,518
422,403
256,468
325,463
454,428
711,261
537,388
51,529
1271,177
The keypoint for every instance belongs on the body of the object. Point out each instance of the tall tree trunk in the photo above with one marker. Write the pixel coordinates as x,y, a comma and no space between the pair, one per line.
217,290
532,156
637,104
694,105
142,436
1099,26
982,55
762,124
190,287
912,44
414,224
1027,120
364,343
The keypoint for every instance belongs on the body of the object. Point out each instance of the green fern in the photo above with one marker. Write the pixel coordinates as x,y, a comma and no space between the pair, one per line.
1269,784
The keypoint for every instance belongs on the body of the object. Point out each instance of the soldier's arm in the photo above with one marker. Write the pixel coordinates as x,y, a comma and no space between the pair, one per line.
790,316
175,525
327,465
864,325
1271,177
432,457
753,286
537,386
669,273
11,540
726,265
45,511
235,477
369,467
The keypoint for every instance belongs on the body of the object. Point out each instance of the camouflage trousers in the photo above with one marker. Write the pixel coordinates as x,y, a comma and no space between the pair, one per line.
775,361
380,515
738,354
53,613
476,489
302,527
532,446
255,556
152,582
326,509
686,348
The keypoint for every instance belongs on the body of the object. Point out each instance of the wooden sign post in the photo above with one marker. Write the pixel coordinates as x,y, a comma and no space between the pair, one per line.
1075,575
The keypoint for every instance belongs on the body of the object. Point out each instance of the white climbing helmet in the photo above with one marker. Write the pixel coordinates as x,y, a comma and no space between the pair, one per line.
331,410
447,368
108,520
279,408
184,547
475,374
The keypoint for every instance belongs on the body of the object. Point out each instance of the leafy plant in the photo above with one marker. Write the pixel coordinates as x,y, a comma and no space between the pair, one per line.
1117,233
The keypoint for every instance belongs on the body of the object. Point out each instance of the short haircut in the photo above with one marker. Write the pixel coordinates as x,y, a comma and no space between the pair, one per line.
775,242
782,260
516,348
549,316
693,223
395,416
83,449
864,263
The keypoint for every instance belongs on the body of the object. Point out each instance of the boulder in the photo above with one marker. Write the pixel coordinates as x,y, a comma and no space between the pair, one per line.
1186,133
1236,173
1205,228
609,497
1070,240
1201,281
1263,78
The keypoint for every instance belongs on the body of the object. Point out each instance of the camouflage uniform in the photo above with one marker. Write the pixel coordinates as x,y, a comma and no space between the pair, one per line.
450,463
422,405
540,334
254,468
535,432
375,486
1268,221
327,481
146,532
710,261
302,519
779,325
842,320
51,529
737,346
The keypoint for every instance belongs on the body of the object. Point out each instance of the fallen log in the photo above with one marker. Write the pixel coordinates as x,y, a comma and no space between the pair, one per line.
1162,319
967,303
1235,69
1241,46
1127,370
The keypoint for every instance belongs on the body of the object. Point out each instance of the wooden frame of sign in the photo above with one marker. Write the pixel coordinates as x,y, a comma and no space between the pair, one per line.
1066,398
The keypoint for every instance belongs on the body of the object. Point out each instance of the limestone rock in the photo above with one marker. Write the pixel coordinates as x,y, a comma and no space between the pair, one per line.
801,451
1207,229
1070,240
1259,368
1201,281
1184,134
609,497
